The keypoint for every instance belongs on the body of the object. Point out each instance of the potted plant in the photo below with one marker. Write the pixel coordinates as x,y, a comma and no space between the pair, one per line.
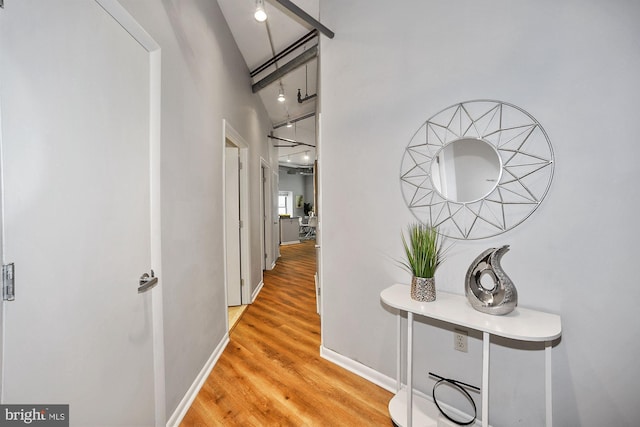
424,254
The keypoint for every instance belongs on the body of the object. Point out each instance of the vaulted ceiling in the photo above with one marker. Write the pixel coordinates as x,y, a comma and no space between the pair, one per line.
259,42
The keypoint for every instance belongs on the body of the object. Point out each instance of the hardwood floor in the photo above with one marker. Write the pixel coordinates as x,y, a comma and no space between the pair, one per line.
271,373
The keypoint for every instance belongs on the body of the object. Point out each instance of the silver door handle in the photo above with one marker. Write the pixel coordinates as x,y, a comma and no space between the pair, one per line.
147,282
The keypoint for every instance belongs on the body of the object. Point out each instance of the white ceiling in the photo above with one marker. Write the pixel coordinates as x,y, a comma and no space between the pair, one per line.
285,28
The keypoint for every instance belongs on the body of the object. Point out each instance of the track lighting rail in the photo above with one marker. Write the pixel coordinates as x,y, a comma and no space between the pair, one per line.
293,46
297,119
291,141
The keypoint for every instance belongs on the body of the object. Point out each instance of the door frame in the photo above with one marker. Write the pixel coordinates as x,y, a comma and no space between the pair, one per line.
232,224
2,260
137,32
266,211
229,133
275,188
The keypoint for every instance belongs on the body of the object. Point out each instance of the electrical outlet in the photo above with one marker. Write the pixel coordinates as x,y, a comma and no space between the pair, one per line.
460,340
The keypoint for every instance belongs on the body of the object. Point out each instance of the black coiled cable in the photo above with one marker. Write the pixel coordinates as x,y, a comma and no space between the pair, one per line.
458,385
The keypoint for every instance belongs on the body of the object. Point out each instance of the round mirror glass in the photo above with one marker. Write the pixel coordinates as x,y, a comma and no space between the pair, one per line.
466,170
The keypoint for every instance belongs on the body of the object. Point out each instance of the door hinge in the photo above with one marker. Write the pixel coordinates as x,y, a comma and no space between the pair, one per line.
8,282
241,225
241,282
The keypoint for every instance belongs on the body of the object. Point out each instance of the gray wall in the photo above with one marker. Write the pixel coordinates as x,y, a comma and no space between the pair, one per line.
204,79
573,65
297,184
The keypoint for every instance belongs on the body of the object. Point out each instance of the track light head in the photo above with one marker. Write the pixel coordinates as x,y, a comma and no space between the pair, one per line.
260,14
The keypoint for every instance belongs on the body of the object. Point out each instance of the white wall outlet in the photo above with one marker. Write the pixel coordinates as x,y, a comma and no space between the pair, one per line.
460,340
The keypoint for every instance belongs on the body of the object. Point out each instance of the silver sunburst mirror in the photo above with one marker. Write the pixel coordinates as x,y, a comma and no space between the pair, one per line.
477,169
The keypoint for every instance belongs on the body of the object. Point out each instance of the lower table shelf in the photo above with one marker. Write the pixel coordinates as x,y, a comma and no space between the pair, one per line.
425,413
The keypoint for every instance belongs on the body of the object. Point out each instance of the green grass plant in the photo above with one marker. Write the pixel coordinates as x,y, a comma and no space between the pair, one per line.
423,250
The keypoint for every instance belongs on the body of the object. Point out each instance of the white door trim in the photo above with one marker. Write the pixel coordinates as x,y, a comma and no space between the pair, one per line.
228,132
266,209
2,233
233,261
138,33
275,185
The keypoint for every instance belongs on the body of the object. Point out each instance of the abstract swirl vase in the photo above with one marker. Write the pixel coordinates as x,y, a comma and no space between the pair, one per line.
502,297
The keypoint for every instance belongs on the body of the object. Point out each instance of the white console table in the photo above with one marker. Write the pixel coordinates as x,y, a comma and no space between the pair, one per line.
521,324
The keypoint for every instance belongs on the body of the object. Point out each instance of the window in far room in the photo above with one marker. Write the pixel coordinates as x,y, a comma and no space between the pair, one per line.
285,203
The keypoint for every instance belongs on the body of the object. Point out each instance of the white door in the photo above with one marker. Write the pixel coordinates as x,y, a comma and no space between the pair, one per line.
232,224
275,216
266,222
74,89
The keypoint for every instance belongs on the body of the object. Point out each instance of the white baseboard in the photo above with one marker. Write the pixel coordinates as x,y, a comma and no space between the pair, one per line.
257,291
190,396
359,369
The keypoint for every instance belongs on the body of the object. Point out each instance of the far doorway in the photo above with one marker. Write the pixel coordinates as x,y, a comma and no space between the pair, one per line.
235,151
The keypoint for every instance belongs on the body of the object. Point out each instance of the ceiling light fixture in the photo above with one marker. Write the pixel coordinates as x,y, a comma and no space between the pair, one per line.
289,159
281,97
260,13
306,155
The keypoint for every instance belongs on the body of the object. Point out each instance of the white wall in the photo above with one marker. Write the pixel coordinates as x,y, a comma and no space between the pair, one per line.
204,79
574,66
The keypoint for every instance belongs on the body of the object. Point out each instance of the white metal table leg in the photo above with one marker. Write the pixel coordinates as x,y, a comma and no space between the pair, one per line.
485,378
409,369
399,353
547,383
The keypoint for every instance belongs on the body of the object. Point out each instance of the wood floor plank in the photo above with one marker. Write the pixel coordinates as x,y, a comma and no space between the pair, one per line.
271,373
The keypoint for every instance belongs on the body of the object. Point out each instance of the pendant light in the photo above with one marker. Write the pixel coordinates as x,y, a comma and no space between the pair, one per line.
260,13
281,97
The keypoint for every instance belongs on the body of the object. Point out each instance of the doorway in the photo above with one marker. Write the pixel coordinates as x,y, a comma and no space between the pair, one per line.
236,219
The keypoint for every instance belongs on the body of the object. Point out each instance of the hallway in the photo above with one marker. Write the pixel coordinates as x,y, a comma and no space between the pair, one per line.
271,372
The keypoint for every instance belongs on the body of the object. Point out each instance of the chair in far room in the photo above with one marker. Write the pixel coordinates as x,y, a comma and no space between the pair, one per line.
312,223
